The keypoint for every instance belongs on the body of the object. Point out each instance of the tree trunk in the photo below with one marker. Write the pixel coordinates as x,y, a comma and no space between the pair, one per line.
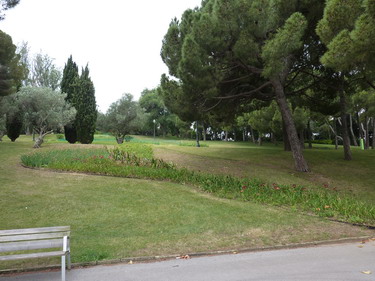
38,141
335,132
226,136
287,146
373,132
345,131
243,134
197,135
252,134
299,160
355,143
273,139
309,134
260,139
360,129
120,140
2,133
204,133
367,146
302,138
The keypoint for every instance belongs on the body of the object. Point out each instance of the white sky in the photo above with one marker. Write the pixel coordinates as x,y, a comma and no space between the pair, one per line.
120,39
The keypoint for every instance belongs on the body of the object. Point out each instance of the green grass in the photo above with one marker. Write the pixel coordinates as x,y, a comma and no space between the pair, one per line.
271,164
136,160
115,217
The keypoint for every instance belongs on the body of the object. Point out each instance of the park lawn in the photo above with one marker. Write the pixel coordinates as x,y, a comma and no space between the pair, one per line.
271,164
114,218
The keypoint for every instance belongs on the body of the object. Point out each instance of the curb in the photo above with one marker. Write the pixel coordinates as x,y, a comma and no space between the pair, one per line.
150,259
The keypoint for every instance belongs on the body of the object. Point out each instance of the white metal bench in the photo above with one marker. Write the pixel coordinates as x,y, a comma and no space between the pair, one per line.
28,239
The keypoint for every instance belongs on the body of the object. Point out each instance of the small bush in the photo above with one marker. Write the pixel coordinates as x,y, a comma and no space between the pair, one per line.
60,137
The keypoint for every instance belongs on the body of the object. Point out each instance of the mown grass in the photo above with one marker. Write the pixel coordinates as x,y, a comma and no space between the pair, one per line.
135,160
271,164
114,217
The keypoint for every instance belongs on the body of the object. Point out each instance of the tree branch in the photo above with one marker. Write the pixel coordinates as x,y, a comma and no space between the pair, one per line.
245,93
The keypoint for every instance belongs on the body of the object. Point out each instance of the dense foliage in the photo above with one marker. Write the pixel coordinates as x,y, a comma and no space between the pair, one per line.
45,110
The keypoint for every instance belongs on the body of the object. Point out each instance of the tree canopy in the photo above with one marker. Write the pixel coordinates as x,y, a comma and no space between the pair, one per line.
120,117
12,71
45,110
229,52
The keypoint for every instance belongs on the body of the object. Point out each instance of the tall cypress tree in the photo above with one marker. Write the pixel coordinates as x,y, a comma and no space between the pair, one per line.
69,85
86,108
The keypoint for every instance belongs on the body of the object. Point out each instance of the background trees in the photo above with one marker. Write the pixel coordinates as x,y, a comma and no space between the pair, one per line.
5,5
12,71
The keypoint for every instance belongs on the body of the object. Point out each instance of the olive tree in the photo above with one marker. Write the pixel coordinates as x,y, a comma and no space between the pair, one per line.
45,110
120,117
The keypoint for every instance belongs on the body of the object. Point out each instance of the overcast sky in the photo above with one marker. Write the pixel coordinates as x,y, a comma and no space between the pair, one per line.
119,39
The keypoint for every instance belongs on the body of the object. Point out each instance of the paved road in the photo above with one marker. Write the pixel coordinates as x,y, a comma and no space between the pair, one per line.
334,262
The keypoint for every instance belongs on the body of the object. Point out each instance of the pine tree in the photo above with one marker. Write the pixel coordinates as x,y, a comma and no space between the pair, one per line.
70,87
86,108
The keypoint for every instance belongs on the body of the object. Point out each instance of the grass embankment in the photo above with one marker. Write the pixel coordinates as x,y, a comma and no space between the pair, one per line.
136,160
271,164
115,217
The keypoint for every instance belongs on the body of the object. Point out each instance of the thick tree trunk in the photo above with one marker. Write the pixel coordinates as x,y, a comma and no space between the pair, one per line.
345,131
355,143
226,136
299,160
260,139
38,141
197,135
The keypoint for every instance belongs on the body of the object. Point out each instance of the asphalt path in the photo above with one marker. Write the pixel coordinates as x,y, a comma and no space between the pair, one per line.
351,261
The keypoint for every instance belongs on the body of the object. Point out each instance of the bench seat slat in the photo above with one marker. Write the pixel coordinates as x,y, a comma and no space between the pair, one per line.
11,238
34,230
33,255
31,245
